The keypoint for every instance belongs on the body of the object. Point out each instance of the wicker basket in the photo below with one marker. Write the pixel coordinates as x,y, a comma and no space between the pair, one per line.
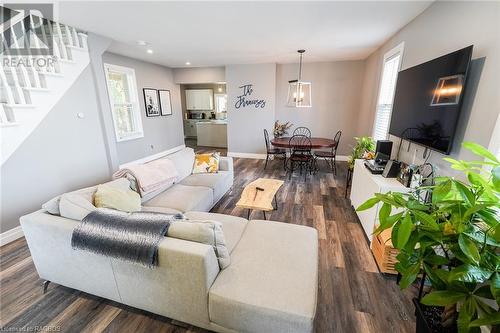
384,253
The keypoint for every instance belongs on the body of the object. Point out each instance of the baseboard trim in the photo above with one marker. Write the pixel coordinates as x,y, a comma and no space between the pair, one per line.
153,157
263,156
11,235
247,155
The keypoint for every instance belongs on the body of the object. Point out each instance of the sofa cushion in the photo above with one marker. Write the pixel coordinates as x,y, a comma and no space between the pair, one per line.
203,231
233,226
77,204
183,161
164,210
111,197
184,198
206,163
271,285
219,182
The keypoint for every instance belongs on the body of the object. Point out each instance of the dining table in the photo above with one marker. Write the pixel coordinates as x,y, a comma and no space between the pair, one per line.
316,143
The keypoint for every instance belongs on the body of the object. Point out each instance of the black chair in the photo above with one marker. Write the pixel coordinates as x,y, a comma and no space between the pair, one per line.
270,150
302,131
300,153
330,156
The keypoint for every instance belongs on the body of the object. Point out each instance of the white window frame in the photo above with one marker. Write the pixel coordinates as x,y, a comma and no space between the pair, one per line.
398,50
134,95
495,139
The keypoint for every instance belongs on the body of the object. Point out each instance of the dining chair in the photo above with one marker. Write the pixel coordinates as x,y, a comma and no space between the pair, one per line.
330,157
270,150
302,131
301,153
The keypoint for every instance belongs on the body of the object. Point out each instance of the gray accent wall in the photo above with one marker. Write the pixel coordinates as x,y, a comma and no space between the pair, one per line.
336,88
160,133
442,28
246,124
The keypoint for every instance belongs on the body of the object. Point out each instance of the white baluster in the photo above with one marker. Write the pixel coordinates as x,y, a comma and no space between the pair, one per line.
75,37
64,53
3,115
42,27
7,88
17,87
68,35
84,40
35,39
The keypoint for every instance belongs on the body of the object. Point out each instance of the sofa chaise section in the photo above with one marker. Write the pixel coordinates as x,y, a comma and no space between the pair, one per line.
271,284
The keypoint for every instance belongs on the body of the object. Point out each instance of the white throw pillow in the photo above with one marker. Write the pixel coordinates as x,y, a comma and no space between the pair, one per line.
76,205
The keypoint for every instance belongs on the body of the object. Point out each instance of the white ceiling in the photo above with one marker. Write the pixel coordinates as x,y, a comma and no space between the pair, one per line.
221,33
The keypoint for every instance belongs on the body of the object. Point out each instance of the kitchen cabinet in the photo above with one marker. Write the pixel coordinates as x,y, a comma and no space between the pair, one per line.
190,128
199,99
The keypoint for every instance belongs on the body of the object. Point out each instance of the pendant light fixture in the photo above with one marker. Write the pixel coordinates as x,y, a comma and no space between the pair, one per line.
299,92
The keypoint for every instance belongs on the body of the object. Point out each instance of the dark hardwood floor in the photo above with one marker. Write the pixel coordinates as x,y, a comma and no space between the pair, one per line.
353,295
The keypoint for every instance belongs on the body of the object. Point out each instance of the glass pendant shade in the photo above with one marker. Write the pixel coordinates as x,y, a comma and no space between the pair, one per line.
299,94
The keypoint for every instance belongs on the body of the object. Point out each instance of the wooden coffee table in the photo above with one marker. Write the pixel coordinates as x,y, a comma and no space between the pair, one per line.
254,199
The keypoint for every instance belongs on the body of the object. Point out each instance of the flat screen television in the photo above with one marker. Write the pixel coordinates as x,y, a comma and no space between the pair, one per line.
428,99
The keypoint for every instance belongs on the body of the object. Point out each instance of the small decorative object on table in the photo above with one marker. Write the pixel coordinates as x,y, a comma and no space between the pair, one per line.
281,129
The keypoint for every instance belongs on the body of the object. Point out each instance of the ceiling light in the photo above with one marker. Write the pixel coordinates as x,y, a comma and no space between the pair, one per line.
149,51
188,63
299,92
142,43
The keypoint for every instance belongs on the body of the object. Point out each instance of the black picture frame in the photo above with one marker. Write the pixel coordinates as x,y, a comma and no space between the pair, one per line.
165,105
151,102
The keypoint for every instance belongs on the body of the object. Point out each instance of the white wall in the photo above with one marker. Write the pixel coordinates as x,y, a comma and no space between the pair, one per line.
63,153
160,133
246,124
336,87
442,28
199,75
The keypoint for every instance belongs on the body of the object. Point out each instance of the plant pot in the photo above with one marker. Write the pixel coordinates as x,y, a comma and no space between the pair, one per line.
428,319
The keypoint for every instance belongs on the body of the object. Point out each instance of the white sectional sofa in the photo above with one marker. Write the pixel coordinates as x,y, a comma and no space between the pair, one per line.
270,286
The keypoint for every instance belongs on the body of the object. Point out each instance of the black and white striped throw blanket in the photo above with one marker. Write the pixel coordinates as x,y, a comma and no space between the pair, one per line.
132,237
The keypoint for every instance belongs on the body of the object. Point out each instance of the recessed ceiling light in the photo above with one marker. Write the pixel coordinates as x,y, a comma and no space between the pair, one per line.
142,43
149,51
188,63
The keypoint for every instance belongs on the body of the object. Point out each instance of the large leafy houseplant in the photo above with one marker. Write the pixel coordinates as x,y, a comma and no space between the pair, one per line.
452,238
364,146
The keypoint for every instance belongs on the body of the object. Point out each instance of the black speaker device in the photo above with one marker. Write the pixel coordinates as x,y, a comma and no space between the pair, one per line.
391,169
384,147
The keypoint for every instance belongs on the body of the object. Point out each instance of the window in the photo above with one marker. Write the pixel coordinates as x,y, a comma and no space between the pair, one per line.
124,100
392,63
220,103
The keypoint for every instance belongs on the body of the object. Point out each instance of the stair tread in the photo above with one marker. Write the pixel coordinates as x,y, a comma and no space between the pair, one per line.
24,106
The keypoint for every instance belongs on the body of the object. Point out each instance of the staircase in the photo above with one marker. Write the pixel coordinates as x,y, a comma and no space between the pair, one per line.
32,84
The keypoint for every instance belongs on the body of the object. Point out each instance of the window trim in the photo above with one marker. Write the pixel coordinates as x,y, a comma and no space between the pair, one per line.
494,145
136,110
398,49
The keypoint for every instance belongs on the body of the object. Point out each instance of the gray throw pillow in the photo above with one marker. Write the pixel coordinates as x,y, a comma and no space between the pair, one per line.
206,232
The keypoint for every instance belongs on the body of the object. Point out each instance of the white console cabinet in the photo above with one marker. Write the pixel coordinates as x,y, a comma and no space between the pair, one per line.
364,186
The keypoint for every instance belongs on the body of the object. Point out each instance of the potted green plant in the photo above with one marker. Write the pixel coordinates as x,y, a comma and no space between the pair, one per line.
452,242
363,149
